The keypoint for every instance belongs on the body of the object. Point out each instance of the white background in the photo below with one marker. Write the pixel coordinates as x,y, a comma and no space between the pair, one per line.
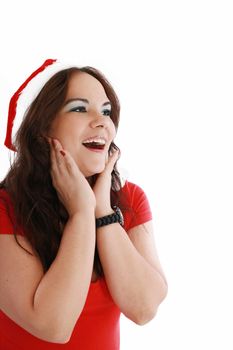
171,65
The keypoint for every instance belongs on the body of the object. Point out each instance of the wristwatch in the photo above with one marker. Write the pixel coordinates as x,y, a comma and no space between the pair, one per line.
117,216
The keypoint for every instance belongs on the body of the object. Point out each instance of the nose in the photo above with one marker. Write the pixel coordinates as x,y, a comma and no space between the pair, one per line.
99,121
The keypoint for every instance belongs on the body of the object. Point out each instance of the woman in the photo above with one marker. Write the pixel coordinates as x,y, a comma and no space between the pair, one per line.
76,245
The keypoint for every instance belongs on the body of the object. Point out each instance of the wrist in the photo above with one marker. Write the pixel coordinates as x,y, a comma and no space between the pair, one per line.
86,211
115,216
103,212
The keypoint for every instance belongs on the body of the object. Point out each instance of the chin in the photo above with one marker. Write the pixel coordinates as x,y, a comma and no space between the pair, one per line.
92,171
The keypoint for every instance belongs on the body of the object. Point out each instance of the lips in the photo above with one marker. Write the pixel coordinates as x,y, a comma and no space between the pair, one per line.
95,143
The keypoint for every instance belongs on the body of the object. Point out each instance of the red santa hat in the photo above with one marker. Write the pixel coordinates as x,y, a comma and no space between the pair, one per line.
13,103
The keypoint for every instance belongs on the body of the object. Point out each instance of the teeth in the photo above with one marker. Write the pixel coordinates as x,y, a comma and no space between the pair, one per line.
98,140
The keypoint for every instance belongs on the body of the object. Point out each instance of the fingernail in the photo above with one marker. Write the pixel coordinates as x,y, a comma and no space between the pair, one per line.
63,153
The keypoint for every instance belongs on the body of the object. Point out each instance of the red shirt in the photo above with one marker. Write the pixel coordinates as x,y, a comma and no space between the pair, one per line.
98,326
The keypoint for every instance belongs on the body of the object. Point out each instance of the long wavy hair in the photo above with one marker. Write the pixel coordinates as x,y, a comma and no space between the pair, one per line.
28,182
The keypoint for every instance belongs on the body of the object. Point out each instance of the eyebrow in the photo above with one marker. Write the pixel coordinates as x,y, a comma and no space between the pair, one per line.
83,100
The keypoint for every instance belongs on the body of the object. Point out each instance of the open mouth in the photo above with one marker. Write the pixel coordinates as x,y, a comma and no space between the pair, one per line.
94,144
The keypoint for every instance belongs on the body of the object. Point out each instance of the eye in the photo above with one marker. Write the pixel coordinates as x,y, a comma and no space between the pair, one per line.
80,109
106,112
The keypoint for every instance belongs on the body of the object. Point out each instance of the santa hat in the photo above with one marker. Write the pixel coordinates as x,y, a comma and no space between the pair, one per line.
35,86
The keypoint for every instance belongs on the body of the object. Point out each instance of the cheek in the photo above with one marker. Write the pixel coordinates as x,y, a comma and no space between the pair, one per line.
59,128
112,130
70,133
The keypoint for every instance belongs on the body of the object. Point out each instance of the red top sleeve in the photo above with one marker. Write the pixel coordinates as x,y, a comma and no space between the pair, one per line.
7,216
136,209
6,225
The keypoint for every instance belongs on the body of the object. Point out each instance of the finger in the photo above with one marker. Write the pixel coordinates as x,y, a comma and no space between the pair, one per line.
59,154
69,162
56,159
52,155
112,159
62,158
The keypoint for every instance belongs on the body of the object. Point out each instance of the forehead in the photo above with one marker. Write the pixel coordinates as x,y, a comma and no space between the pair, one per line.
84,85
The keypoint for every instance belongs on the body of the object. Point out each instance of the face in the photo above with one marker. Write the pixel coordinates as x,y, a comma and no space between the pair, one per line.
83,125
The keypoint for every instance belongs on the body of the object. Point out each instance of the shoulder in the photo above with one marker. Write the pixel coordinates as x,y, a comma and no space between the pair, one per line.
8,221
4,195
135,205
132,190
5,199
6,206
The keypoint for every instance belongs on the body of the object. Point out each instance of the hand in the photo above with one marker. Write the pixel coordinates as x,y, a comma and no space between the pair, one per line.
102,187
72,187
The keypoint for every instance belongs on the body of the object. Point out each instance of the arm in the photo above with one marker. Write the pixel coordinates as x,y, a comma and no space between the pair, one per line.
61,294
48,305
130,261
132,270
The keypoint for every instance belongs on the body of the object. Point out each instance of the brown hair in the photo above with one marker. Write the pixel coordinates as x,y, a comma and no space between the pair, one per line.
28,182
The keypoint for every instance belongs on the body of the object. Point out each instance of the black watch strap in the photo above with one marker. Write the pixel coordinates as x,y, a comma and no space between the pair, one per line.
110,219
